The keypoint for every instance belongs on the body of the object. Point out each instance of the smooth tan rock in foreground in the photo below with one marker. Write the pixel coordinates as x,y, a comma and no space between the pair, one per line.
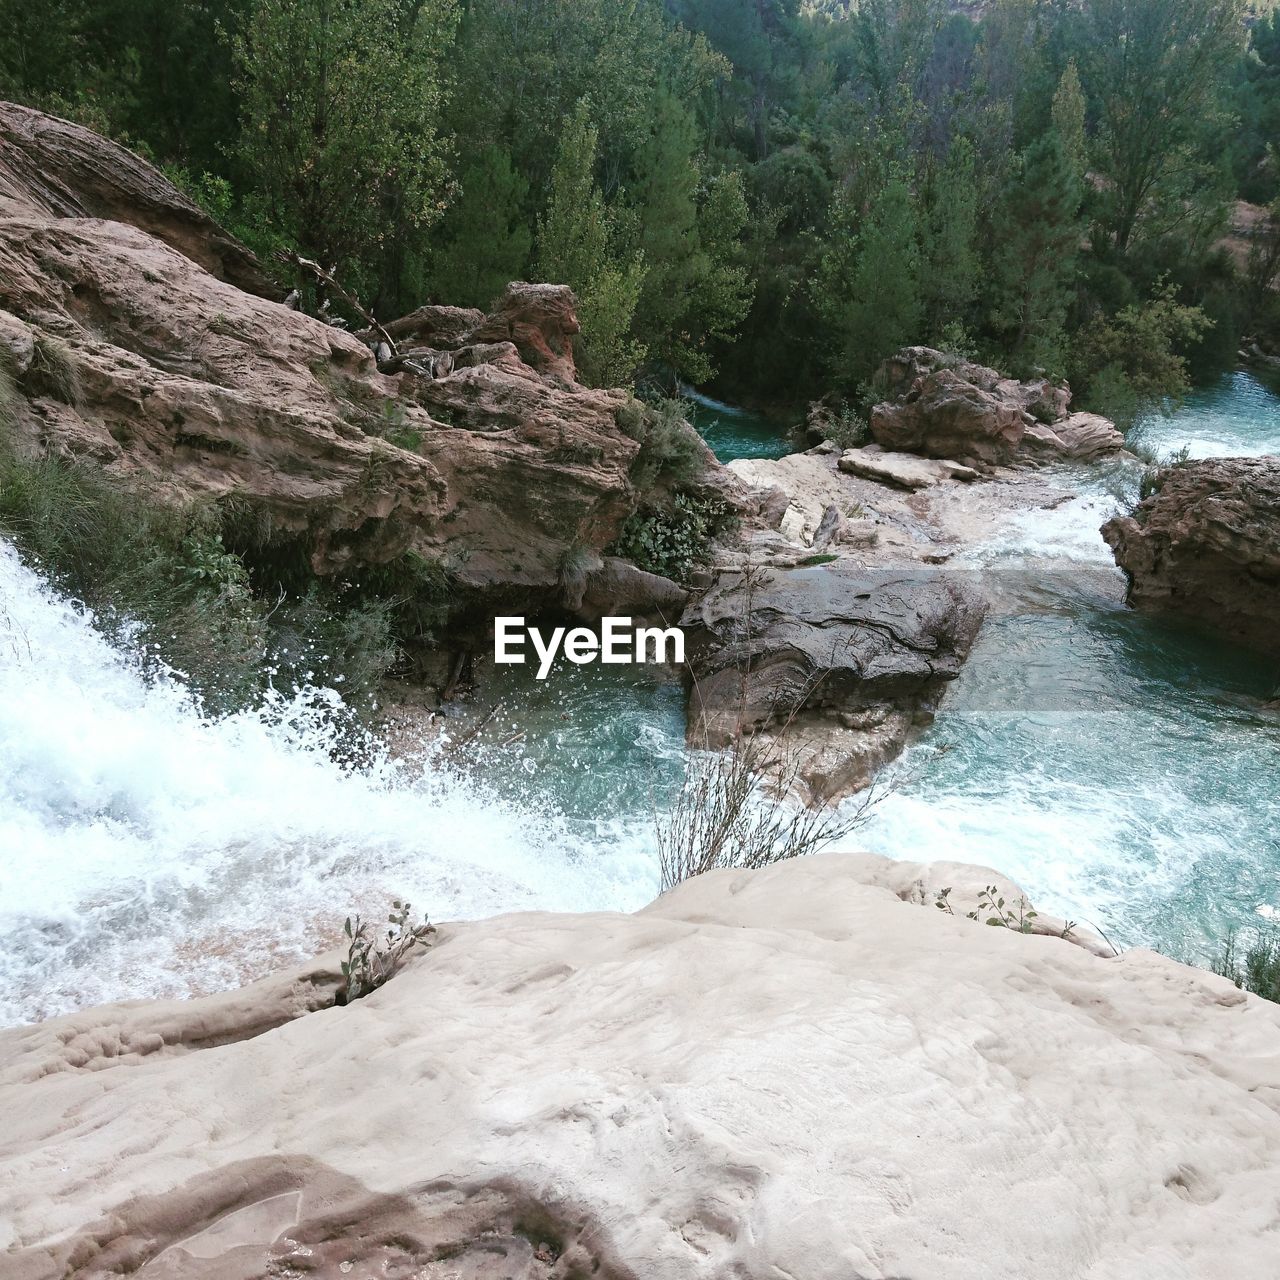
805,1072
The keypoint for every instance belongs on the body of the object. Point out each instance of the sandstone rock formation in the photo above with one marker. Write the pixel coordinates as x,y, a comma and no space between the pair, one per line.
168,370
805,1071
902,469
51,168
1206,546
944,407
1079,435
844,660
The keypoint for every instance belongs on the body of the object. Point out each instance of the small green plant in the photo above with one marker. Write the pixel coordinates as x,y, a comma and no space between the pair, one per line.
672,540
396,430
955,342
846,428
1257,970
1153,477
1017,916
8,387
371,960
577,563
812,562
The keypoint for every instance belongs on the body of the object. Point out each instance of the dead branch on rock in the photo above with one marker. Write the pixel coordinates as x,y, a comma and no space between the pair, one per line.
326,279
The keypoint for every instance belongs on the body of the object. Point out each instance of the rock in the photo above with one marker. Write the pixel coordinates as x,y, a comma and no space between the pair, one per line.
540,319
903,469
446,328
793,648
619,588
51,168
804,1071
1206,546
945,416
807,484
945,407
1081,435
185,382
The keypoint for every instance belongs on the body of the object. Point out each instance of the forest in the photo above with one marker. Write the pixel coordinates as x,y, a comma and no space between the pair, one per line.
761,196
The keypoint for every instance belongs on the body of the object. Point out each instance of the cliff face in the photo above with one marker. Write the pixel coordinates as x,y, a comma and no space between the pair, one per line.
805,1071
1206,546
140,335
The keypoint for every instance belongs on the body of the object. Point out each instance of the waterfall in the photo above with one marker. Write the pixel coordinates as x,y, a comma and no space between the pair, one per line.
147,849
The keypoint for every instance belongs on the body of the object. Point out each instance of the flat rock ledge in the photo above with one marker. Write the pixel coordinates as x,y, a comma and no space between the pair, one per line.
805,1071
902,469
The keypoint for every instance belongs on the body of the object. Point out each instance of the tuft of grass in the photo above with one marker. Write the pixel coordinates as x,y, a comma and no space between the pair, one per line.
52,372
1256,968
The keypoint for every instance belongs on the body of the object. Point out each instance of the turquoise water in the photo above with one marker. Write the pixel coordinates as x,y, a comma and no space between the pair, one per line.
1123,769
738,433
1236,414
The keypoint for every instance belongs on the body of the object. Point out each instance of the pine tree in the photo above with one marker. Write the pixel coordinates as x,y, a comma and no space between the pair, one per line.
485,237
576,246
1038,237
1068,119
695,289
949,281
870,283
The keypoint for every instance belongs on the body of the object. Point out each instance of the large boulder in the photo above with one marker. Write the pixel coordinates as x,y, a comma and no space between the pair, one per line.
841,660
540,320
1205,545
133,346
945,407
804,1071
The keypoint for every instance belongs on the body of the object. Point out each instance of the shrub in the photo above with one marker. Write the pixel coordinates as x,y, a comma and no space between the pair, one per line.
847,428
671,451
733,810
371,962
164,576
672,540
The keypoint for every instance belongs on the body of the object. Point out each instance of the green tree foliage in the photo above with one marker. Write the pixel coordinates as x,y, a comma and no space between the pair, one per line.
778,190
485,240
870,284
949,280
1155,71
579,245
1038,232
1068,119
340,104
1131,365
695,289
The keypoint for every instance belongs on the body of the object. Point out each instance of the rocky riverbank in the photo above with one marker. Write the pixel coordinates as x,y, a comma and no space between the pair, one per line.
803,1071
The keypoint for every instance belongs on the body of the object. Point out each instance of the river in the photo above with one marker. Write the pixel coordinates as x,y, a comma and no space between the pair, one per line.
1122,769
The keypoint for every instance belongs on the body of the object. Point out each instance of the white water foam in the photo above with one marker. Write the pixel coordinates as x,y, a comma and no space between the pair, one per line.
146,849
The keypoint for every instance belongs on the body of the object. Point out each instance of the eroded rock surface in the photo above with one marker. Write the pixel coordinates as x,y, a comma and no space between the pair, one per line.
51,168
905,470
945,407
806,1071
845,660
1206,546
135,344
